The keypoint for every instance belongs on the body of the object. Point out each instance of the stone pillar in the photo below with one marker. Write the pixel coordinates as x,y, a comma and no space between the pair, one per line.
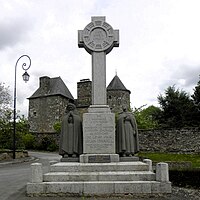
99,75
149,162
162,173
36,173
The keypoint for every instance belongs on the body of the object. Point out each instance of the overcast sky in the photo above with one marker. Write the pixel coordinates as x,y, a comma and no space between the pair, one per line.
159,44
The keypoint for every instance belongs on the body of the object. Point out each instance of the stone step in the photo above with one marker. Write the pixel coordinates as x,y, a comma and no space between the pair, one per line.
99,167
99,176
98,188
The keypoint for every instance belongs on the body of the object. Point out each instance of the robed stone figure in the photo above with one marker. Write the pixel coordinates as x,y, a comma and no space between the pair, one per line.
127,143
71,133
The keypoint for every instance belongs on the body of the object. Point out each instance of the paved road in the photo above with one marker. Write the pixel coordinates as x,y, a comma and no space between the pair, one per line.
13,177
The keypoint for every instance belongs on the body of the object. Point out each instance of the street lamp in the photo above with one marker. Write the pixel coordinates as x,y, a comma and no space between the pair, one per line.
25,78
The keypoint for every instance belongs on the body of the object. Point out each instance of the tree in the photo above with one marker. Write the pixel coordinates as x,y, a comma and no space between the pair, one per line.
177,108
147,118
196,95
5,101
196,101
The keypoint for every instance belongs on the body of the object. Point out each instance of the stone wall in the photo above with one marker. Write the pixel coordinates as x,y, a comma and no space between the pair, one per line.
171,140
185,140
8,154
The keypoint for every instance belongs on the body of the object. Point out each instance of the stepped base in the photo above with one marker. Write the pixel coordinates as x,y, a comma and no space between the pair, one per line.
100,179
107,188
99,167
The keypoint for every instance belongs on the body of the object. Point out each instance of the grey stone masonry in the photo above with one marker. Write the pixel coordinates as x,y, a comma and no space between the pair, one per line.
84,94
89,179
36,173
117,95
185,140
47,104
162,172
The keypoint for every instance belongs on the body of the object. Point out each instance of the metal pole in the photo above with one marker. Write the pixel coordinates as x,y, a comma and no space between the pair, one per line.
14,110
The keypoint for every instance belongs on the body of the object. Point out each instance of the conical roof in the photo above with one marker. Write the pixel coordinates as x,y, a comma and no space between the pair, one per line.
116,84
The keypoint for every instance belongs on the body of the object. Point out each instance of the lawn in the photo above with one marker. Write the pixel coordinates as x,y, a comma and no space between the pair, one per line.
164,157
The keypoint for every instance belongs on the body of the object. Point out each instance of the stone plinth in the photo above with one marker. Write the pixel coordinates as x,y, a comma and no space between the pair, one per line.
99,131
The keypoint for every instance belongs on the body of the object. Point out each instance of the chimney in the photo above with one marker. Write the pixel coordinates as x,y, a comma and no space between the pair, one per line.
44,83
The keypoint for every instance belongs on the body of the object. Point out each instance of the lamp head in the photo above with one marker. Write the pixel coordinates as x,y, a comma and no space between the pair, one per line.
26,76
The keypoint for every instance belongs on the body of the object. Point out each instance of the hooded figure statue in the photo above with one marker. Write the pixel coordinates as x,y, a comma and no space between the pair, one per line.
127,143
71,133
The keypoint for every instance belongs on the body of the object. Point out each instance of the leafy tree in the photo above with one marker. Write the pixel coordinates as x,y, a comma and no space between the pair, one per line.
177,108
147,118
6,122
196,95
5,101
196,101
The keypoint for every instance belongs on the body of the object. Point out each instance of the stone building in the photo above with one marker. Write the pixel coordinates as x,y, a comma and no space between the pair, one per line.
47,105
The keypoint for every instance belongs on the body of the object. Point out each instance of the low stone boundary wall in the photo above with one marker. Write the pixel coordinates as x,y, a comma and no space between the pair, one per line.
7,155
185,140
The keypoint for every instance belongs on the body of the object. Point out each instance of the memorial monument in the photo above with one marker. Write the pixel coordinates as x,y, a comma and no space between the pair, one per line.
99,171
98,38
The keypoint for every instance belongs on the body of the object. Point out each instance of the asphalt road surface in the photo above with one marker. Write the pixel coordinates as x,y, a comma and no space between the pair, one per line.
13,177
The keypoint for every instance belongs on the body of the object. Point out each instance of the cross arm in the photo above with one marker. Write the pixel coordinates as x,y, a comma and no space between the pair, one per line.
116,38
80,39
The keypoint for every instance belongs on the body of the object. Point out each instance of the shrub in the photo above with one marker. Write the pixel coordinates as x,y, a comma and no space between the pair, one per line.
28,140
57,127
47,143
185,177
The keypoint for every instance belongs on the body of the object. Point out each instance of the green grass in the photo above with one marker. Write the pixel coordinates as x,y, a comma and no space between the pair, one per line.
164,157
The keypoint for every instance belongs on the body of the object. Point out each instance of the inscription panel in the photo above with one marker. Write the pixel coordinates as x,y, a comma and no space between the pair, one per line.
99,159
98,133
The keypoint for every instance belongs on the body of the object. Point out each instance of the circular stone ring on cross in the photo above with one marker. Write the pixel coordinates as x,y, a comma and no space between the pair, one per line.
98,36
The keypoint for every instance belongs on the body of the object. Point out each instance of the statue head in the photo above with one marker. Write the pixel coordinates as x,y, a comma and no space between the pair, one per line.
70,107
124,108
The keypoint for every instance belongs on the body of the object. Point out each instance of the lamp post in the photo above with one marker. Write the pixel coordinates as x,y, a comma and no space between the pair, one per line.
25,78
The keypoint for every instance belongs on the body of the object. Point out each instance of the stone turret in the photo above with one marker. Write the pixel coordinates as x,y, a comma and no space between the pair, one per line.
117,95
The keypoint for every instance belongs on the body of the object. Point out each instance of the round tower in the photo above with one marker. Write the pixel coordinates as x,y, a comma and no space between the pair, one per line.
117,95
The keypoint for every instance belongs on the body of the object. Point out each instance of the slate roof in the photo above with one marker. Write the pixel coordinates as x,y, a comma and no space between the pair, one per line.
116,84
56,87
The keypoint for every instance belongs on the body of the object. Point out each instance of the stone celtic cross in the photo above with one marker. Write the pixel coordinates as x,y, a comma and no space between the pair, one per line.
98,38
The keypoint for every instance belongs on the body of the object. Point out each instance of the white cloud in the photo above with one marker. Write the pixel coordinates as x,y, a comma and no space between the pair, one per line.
159,44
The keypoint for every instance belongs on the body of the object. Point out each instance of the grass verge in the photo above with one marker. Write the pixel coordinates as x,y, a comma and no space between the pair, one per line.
164,157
